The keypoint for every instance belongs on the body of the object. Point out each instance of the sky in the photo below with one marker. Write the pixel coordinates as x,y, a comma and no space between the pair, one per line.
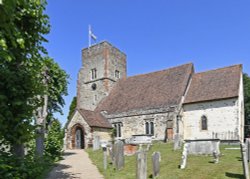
154,34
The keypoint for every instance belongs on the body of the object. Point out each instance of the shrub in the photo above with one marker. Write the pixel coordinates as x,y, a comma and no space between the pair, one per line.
54,141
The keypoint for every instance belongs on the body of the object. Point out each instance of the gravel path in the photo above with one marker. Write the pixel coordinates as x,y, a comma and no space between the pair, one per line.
76,164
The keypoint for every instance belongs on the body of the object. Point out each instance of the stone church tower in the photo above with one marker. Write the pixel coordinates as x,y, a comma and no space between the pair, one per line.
102,66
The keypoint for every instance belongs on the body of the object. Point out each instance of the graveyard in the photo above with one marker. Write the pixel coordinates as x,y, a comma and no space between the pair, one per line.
198,166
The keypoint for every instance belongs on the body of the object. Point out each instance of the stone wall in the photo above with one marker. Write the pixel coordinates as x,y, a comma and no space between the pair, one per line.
103,133
241,113
135,125
106,59
78,119
222,120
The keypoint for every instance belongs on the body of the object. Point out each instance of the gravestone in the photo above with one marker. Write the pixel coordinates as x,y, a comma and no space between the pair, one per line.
184,156
96,143
119,155
248,149
111,153
216,157
104,148
177,142
156,157
244,160
141,169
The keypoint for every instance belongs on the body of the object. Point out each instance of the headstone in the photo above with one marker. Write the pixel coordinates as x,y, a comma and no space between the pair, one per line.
248,149
184,156
156,157
177,143
111,153
244,160
119,155
96,143
141,169
104,157
216,157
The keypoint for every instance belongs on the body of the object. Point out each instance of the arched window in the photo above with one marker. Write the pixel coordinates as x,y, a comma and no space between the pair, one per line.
203,123
149,128
152,128
118,132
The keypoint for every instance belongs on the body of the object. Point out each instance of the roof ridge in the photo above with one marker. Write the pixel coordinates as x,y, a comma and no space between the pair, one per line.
144,74
231,66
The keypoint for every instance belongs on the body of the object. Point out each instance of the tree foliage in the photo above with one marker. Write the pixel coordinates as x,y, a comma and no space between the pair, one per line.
54,141
72,109
246,81
56,87
22,26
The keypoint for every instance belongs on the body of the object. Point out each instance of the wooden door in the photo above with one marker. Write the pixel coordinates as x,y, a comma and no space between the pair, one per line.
170,133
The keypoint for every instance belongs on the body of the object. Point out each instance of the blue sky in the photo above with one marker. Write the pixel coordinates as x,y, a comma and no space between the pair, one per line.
155,34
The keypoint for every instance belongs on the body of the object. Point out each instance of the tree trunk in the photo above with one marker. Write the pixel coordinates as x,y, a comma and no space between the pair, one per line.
41,121
18,150
40,141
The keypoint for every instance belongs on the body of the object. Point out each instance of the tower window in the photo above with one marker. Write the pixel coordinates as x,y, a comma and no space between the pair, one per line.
93,73
203,123
149,128
117,74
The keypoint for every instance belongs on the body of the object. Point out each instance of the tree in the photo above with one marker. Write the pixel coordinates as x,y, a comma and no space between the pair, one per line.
55,81
246,82
72,109
54,141
22,26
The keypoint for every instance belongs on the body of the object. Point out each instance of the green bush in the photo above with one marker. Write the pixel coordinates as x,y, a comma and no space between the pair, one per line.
12,167
54,141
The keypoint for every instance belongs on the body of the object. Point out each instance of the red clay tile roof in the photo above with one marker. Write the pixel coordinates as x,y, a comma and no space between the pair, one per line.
215,84
149,91
94,119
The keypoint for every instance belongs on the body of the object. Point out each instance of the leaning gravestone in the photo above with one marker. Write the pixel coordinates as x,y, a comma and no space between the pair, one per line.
244,161
119,155
248,149
156,163
141,169
96,143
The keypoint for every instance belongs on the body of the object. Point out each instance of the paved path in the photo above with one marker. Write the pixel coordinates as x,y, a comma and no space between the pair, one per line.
76,164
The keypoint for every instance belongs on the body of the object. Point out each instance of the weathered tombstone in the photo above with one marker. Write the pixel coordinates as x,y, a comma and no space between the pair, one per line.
141,169
216,157
156,156
104,148
177,142
111,153
119,155
184,156
96,143
248,149
244,160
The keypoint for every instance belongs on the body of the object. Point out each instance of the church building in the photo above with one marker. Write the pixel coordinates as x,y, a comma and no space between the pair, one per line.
167,103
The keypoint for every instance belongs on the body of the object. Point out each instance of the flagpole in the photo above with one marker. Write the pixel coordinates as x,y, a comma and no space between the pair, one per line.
89,36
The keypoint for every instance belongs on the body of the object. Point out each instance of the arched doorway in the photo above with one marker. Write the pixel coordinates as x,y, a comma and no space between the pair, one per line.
77,137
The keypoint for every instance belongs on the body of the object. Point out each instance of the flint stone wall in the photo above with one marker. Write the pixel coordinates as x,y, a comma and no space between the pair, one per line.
135,124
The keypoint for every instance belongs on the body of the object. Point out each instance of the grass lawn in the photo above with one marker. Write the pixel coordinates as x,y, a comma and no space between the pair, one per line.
198,167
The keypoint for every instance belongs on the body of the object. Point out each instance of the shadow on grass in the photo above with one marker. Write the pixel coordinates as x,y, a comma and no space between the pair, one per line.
58,172
234,175
239,158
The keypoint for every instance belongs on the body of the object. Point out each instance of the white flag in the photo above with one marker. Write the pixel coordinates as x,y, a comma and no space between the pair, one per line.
91,35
